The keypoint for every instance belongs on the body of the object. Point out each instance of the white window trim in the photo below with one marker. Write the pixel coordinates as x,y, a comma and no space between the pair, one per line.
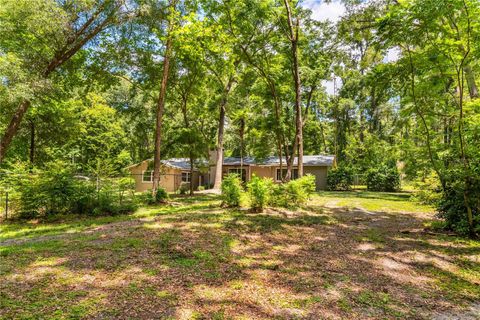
151,176
189,178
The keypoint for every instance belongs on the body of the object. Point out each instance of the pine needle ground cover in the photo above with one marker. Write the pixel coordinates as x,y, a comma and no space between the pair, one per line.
345,254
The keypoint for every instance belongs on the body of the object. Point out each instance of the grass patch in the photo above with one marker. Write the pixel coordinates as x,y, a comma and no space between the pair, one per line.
192,258
371,201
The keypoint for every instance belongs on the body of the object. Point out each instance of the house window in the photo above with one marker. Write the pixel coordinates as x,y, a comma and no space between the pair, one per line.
147,176
186,177
284,173
242,173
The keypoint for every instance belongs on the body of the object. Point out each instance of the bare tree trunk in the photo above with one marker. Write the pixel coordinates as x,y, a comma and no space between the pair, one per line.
298,95
221,128
161,101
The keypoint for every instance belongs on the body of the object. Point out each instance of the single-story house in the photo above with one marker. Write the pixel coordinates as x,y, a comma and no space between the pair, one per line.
173,172
316,165
176,171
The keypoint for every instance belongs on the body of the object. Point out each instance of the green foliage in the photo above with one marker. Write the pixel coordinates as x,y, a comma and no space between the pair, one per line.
427,190
57,191
260,192
452,206
295,192
184,188
384,178
232,190
340,179
161,196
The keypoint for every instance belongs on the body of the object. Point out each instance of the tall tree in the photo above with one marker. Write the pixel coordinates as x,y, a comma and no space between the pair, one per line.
162,94
66,30
298,144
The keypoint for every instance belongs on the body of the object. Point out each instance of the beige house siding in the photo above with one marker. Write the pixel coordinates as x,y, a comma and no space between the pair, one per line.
263,172
170,178
320,174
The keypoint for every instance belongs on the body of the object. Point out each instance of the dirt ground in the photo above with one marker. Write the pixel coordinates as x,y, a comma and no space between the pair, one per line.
195,260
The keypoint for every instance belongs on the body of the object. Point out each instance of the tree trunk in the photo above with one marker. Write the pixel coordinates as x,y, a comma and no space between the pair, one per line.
192,161
221,127
242,136
161,102
32,142
472,86
76,42
12,128
298,106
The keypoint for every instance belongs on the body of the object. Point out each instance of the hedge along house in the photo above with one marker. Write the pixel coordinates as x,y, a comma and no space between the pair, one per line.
173,173
317,165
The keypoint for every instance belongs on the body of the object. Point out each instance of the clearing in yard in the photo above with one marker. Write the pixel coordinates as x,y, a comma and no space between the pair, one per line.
346,254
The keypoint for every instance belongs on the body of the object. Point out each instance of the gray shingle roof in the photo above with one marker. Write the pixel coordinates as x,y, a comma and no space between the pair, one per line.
179,163
314,160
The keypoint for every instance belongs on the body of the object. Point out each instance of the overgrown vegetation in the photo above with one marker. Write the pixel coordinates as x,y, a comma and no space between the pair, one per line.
232,190
384,178
260,192
56,190
340,179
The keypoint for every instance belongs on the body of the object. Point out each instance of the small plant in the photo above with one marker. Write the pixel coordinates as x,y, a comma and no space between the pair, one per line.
340,179
160,197
184,188
259,191
295,192
232,190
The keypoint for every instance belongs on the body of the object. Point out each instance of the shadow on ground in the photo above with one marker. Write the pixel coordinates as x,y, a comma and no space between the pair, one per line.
197,261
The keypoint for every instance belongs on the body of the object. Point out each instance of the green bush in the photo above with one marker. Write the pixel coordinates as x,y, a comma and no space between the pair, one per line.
232,190
259,191
340,179
57,191
160,197
295,192
383,178
427,190
453,210
184,188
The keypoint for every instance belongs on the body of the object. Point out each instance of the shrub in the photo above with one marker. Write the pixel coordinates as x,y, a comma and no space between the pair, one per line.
57,191
340,179
232,190
427,190
160,197
259,191
383,178
453,210
184,188
294,192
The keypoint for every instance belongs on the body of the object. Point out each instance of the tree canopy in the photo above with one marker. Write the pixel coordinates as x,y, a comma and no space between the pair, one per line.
103,84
